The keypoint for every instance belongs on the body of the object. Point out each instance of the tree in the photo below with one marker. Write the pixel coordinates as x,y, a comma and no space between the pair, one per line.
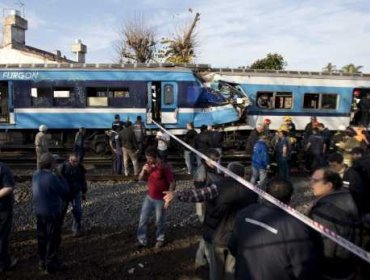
270,62
137,42
351,68
180,49
330,68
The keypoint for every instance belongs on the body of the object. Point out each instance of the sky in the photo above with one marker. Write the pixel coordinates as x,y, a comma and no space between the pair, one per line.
307,33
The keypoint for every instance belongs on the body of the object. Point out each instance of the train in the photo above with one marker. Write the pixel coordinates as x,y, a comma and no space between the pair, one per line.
65,97
331,97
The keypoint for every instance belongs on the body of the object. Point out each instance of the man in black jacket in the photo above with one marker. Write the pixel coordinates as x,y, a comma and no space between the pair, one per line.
189,139
336,210
268,243
74,173
223,199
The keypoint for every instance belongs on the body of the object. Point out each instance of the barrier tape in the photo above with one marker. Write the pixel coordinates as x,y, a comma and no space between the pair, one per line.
365,255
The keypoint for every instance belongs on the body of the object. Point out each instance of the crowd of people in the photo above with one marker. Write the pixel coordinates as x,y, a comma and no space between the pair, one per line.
244,237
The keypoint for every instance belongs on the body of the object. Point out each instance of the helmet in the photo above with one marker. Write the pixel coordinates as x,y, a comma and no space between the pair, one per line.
287,118
43,128
266,121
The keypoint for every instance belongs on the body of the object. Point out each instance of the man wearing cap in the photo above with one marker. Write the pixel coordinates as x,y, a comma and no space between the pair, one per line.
225,198
41,143
48,191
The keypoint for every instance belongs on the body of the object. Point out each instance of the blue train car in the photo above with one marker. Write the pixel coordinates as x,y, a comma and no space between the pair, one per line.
69,96
332,98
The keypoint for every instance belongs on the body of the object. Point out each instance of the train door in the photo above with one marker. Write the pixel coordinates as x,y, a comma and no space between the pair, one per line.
154,102
169,103
4,109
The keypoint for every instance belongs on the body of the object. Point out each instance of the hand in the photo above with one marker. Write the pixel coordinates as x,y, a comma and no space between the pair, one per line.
169,195
146,167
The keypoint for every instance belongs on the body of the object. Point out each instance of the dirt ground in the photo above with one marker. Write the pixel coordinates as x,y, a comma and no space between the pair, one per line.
112,254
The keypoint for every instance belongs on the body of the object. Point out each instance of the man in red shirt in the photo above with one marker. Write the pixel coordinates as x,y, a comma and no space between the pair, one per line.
160,178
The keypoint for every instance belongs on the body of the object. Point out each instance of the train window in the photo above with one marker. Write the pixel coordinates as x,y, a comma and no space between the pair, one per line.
97,101
283,100
311,101
169,97
329,101
320,101
62,92
264,99
41,97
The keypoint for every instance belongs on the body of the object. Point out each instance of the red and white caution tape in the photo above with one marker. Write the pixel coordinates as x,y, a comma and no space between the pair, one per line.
311,223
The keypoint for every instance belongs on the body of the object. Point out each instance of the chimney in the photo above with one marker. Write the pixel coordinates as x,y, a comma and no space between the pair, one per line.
14,30
80,50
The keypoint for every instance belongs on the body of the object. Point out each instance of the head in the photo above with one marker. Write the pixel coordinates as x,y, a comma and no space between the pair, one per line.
47,161
237,168
43,128
260,128
214,155
117,118
82,130
73,159
128,124
324,181
280,189
138,118
190,125
313,119
151,155
266,122
357,153
203,128
336,162
282,133
287,119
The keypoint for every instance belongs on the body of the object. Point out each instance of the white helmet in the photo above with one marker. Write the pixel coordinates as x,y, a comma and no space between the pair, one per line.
43,128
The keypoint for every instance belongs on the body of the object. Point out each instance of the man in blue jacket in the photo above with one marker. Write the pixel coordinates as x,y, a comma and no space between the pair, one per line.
48,191
260,161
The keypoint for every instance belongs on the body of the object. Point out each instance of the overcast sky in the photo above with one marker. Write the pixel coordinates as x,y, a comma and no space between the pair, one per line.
307,33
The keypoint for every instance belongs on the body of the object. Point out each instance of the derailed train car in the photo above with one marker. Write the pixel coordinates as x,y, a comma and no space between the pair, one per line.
68,96
331,97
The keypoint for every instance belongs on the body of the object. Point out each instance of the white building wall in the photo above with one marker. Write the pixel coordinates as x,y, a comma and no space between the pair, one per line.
11,56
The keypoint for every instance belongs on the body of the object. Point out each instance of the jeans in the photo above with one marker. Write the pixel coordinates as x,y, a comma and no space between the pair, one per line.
133,155
189,158
150,205
117,161
76,211
221,263
6,217
49,230
258,173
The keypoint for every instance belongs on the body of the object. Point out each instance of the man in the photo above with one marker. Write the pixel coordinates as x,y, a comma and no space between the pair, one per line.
264,101
216,140
228,197
364,107
117,123
189,139
139,130
79,144
163,141
41,143
253,138
160,179
282,153
260,161
7,184
48,191
74,173
115,144
336,210
130,148
205,175
315,148
351,179
268,243
361,164
202,142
